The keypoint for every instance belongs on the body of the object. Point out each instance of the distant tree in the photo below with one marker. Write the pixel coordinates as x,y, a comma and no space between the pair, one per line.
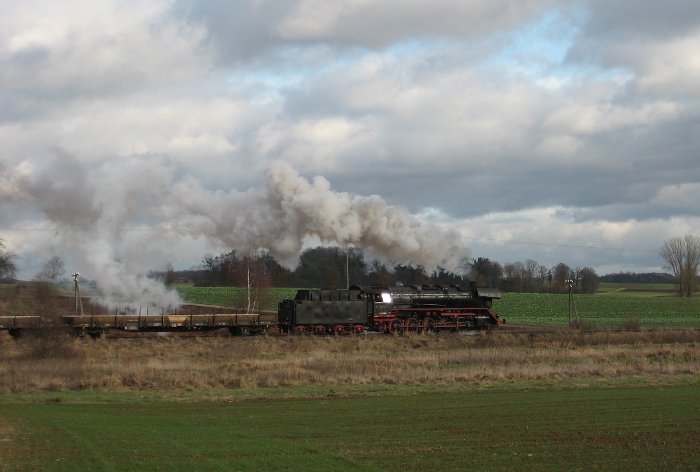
356,265
683,257
542,278
279,276
52,270
560,274
225,269
588,280
325,267
486,273
411,275
170,274
257,283
8,268
445,278
641,278
529,276
379,274
45,288
513,277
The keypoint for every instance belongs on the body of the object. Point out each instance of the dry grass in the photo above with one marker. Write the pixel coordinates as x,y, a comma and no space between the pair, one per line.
63,363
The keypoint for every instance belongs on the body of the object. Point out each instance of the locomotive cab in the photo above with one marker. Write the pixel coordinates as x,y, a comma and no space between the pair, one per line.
383,302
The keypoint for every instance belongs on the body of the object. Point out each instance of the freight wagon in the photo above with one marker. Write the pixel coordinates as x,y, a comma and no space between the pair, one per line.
237,323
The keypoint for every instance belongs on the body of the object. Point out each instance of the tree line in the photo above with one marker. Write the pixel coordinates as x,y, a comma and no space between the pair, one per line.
327,267
333,267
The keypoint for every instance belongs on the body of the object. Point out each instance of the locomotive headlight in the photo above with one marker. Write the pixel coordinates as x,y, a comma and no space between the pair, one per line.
386,297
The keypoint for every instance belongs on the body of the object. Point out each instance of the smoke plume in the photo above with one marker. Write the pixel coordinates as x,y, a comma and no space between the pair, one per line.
290,209
111,219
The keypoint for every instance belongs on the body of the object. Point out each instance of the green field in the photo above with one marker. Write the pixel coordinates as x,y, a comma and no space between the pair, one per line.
637,289
642,305
600,428
233,296
601,310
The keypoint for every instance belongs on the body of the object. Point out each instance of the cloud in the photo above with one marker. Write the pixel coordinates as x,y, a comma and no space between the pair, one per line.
657,41
52,54
457,109
245,31
377,24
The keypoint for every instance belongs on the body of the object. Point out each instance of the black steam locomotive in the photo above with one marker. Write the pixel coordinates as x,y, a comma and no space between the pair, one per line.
389,309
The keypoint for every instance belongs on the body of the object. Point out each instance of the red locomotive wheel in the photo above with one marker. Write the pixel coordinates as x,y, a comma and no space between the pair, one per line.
300,330
339,329
410,325
433,325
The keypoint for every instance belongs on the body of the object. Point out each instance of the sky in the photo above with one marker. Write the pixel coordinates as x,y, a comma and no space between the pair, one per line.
137,134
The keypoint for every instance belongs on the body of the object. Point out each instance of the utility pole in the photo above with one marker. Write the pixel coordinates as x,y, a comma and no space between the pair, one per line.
570,284
247,272
78,299
347,268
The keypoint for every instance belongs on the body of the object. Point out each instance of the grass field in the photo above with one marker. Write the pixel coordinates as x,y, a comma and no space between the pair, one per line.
233,296
624,428
56,364
616,305
637,289
601,310
561,400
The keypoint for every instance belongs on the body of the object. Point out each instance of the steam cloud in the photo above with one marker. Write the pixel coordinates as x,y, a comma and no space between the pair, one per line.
290,209
96,210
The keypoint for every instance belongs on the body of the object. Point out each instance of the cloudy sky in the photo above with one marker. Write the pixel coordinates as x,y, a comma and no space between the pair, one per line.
143,133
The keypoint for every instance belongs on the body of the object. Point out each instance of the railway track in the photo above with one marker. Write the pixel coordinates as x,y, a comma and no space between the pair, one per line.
496,332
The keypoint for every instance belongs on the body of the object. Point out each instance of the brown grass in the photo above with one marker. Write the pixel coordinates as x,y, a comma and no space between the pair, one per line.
63,363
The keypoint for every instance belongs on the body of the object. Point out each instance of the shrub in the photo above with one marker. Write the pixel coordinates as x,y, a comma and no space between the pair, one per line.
50,343
631,323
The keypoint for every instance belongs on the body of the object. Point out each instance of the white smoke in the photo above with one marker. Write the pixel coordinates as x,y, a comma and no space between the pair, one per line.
95,211
91,210
291,209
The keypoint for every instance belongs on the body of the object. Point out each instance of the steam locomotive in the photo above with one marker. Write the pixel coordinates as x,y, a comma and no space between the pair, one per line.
389,309
426,308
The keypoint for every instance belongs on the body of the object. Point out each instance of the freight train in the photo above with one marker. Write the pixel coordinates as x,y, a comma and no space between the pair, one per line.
426,308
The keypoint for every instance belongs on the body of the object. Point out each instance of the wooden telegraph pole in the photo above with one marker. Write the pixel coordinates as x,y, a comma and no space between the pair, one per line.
78,299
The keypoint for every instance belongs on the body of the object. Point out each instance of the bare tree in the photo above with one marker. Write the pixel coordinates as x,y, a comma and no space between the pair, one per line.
257,283
683,257
170,275
513,276
530,275
52,271
588,280
8,268
560,273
